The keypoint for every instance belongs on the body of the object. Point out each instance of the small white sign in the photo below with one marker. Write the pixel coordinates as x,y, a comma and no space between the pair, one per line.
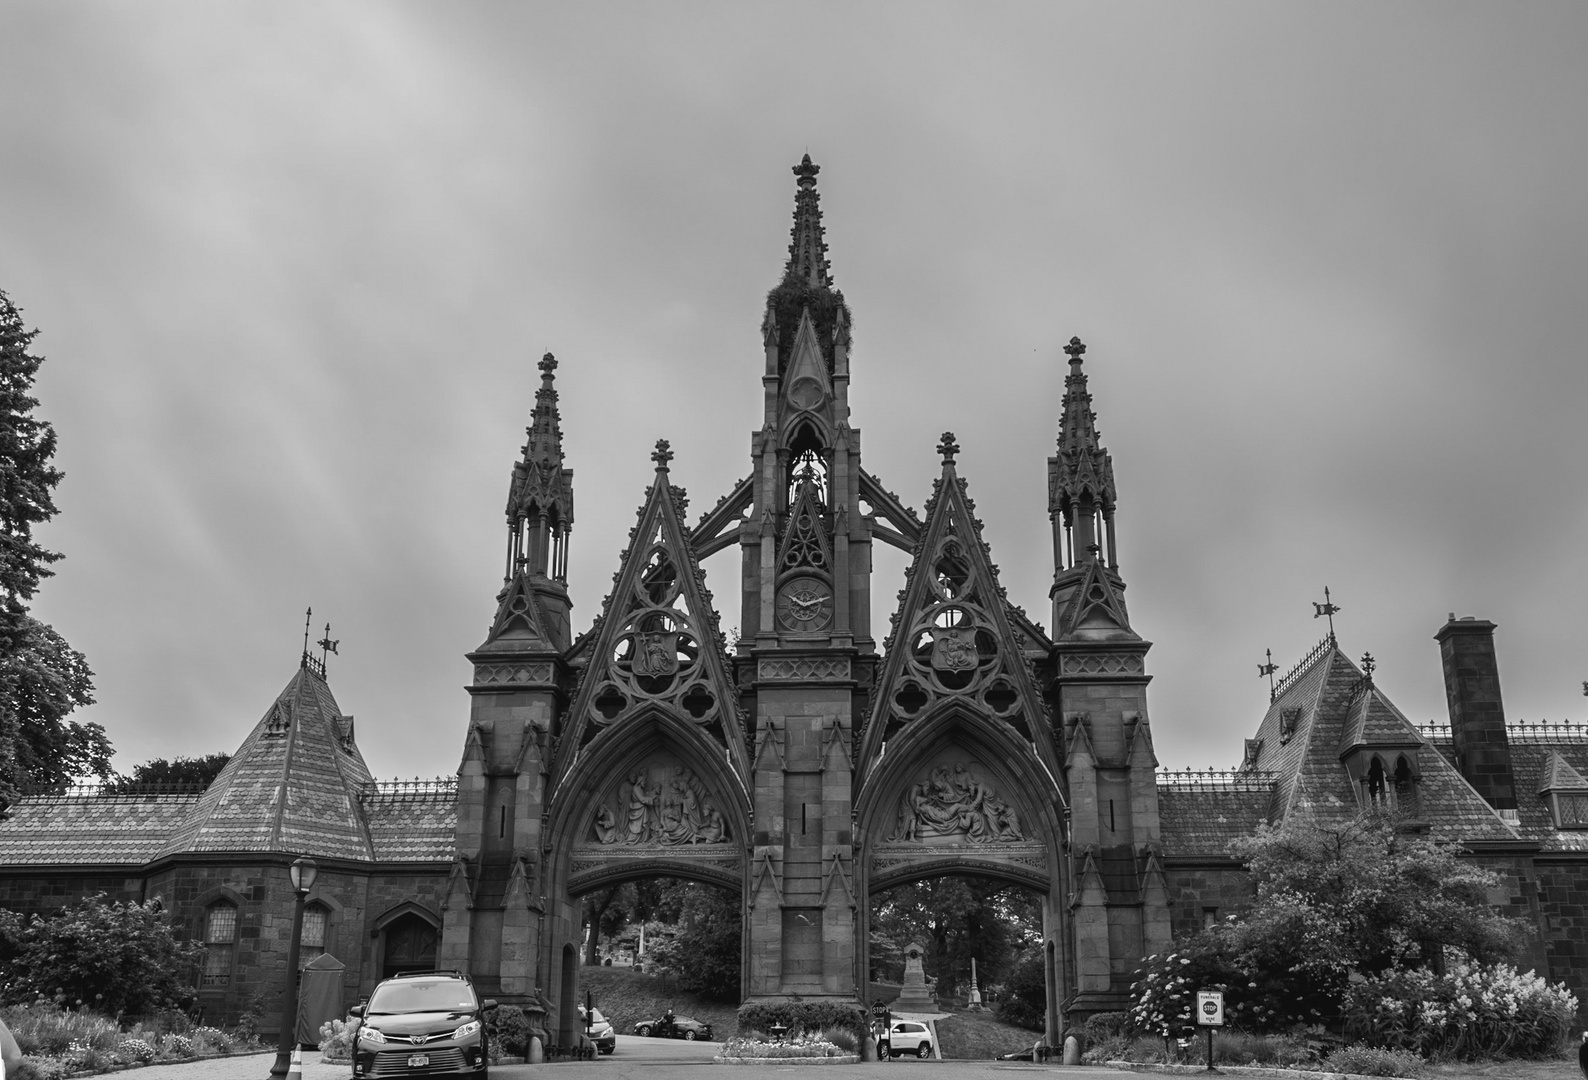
1210,1008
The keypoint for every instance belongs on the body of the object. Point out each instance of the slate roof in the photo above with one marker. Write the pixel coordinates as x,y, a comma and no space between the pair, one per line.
292,786
1335,710
1535,756
412,827
1203,821
83,830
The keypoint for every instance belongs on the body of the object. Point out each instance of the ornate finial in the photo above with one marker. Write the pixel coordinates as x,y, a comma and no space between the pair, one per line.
1268,669
807,172
948,447
662,454
1075,350
1327,608
307,615
1368,664
548,363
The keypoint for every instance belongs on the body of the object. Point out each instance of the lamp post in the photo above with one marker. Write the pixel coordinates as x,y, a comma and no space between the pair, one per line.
302,872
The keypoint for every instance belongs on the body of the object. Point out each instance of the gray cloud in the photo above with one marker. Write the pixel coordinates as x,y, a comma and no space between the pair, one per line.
293,265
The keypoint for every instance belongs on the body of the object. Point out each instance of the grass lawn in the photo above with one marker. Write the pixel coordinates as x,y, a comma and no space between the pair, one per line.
979,1036
624,995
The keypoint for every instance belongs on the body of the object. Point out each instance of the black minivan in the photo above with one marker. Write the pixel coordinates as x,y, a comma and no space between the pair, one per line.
426,1023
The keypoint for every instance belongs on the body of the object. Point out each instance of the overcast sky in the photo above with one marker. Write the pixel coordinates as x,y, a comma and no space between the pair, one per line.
293,265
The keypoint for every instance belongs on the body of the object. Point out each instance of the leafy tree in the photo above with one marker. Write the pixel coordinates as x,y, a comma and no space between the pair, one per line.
1360,895
1025,997
703,954
122,959
197,772
957,919
41,677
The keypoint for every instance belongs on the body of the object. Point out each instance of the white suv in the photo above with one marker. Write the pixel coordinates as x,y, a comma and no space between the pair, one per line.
903,1037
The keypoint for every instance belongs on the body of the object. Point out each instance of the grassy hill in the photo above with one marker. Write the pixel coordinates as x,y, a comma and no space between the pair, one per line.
624,995
980,1036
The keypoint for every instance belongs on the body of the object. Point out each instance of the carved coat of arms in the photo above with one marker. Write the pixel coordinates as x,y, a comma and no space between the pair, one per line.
655,654
954,648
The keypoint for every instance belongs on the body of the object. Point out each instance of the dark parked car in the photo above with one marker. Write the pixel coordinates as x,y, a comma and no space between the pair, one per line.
673,1027
428,1023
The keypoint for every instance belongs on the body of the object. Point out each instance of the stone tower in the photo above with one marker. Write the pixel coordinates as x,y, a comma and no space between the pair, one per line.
520,675
1119,906
806,647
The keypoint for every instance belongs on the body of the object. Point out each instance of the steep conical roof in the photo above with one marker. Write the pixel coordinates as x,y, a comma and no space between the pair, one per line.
292,787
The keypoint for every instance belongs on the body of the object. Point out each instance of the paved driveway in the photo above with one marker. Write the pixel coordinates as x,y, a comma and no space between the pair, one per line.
651,1059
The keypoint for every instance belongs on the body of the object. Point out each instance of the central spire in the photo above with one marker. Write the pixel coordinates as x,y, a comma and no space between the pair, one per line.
807,251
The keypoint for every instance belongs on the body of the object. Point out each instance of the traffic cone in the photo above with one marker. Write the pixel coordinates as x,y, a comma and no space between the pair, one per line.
295,1070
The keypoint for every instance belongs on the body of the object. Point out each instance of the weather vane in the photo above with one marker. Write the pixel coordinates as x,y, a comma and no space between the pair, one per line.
1268,669
327,646
1327,608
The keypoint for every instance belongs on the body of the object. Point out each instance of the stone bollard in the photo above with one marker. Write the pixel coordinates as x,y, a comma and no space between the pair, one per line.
1072,1051
868,1049
537,1052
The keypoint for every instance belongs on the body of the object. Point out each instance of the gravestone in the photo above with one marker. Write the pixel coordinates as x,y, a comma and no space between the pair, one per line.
915,997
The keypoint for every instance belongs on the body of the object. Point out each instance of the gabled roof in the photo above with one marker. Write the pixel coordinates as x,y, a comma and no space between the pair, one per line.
657,641
1558,775
1319,697
292,787
954,635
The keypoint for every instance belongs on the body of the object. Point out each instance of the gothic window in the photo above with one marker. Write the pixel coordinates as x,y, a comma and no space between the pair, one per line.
1375,783
1571,809
1405,787
220,942
315,920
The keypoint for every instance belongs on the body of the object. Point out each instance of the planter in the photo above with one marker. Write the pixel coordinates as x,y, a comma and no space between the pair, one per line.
841,1059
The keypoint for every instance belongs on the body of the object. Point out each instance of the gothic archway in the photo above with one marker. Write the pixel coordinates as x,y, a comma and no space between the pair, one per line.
654,797
956,793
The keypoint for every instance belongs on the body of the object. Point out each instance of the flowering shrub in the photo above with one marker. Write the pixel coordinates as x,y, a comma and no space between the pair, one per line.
1163,998
1472,1011
1374,1061
812,1045
136,1050
212,1040
336,1040
177,1046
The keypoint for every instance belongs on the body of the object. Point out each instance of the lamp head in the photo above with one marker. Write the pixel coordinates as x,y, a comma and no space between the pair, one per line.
303,872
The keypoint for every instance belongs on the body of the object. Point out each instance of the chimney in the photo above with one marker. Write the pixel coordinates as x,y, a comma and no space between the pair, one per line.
1477,716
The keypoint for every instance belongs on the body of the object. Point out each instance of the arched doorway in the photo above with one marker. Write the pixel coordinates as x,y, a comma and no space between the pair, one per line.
407,943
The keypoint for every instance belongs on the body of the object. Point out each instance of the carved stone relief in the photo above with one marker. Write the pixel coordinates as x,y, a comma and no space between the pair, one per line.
663,805
953,803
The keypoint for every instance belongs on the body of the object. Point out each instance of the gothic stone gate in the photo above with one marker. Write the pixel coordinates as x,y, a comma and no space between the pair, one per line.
810,764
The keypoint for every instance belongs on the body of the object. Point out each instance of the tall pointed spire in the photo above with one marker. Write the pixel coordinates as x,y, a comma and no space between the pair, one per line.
807,253
1080,476
540,497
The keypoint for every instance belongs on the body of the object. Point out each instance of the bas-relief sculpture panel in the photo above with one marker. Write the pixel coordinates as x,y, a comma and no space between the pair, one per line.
661,804
952,802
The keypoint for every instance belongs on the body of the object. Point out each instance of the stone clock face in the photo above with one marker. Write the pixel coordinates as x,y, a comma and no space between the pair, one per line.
805,605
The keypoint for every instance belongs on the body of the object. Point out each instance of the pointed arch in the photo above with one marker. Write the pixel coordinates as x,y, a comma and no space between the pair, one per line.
657,642
655,738
952,745
954,639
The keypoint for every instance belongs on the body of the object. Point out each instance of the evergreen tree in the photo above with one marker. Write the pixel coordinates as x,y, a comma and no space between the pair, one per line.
42,678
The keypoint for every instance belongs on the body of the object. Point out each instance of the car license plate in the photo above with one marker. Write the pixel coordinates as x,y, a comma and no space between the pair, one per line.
418,1061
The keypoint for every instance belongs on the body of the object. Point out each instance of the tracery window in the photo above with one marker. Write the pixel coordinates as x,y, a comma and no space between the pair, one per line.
312,944
220,942
1571,809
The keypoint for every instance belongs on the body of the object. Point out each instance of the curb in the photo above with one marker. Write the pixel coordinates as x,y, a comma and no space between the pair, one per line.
1237,1070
